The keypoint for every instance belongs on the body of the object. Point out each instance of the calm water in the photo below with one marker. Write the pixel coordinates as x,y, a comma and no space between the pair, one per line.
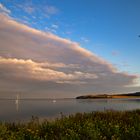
10,110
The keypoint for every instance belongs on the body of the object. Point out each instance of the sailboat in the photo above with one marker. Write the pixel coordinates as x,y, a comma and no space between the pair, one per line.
17,102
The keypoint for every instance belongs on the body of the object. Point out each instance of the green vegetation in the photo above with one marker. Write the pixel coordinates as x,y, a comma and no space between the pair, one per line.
94,96
129,95
108,125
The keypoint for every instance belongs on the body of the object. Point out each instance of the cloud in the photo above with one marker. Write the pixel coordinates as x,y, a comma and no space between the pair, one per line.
30,8
35,61
4,10
51,10
27,7
54,26
85,40
19,68
27,69
52,29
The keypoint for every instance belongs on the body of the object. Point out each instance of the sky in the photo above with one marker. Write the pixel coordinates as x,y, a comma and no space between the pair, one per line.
62,49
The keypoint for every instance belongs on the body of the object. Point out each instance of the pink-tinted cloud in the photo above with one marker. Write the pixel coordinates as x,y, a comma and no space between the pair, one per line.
50,63
18,68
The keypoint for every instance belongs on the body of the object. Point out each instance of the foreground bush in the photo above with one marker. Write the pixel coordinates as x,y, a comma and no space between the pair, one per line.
109,125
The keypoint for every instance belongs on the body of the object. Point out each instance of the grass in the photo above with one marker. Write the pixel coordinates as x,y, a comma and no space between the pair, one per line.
108,125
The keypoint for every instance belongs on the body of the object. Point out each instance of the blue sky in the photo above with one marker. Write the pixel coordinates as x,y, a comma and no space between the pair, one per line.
107,28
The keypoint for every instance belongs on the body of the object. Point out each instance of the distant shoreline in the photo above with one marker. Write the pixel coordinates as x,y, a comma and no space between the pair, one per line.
106,96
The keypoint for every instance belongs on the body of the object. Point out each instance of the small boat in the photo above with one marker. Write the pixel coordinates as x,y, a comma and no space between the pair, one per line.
54,101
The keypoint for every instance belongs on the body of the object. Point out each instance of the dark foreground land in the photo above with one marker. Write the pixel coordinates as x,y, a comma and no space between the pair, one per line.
108,125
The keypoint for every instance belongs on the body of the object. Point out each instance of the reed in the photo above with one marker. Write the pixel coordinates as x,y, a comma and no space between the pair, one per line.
107,125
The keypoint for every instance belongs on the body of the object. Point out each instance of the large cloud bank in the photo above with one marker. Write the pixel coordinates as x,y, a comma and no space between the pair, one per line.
44,64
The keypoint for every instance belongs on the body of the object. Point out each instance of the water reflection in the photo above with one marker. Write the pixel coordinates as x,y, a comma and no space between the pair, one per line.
11,110
88,101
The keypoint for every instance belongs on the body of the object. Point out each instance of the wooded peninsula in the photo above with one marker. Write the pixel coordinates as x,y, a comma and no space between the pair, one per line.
129,95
